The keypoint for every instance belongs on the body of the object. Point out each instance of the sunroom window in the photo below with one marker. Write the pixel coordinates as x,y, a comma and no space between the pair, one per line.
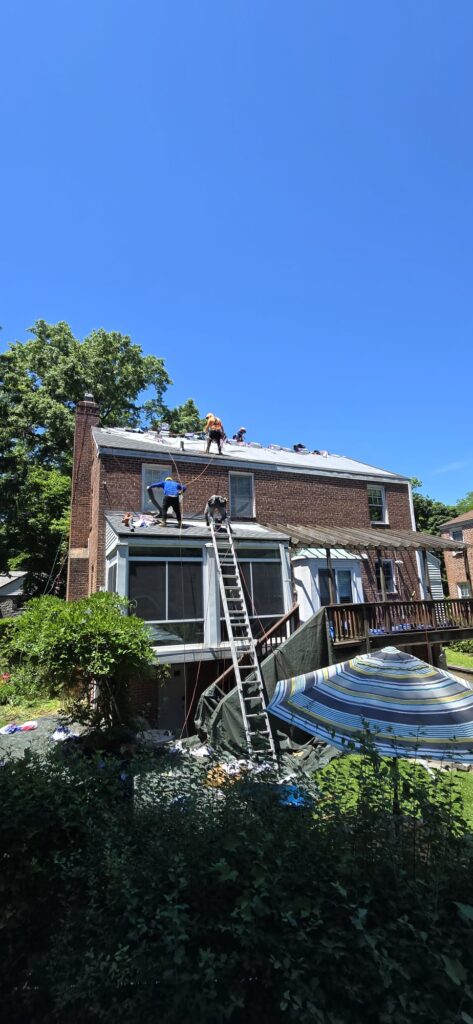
262,587
168,595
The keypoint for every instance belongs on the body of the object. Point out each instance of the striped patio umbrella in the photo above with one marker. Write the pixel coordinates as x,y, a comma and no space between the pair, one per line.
410,707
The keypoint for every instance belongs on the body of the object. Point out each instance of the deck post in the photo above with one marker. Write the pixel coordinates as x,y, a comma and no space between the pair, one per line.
331,577
427,583
382,577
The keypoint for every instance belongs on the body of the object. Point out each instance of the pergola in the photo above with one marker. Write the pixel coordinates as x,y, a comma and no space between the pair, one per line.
363,540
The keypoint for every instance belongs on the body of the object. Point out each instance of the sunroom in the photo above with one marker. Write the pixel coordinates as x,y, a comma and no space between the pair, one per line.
169,576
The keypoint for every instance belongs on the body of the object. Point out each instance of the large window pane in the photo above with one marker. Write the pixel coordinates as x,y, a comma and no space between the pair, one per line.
185,591
147,587
151,475
267,588
324,587
241,495
175,633
344,588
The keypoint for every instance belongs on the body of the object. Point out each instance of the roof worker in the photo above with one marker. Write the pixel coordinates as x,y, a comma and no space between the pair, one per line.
239,436
215,432
172,490
299,447
217,508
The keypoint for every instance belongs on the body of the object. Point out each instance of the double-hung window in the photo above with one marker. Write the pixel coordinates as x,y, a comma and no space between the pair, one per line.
389,577
242,502
168,594
456,533
377,504
152,475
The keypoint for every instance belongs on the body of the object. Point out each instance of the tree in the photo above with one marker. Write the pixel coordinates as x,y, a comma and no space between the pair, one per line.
184,418
465,504
80,647
430,513
41,381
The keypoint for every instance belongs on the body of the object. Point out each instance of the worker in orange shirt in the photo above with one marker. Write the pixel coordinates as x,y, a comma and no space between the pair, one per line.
215,432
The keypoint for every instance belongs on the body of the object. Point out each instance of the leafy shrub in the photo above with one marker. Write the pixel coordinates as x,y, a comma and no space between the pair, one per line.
199,905
463,646
83,649
7,693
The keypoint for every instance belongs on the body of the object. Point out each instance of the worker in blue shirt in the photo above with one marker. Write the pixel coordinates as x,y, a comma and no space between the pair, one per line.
172,489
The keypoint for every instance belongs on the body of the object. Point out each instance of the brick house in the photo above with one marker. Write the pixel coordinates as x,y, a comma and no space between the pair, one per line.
353,541
459,567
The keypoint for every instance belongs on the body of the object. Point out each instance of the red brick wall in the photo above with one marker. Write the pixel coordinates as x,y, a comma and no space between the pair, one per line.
455,564
280,497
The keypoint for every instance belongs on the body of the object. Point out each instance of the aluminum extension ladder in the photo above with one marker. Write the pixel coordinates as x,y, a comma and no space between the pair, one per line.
259,738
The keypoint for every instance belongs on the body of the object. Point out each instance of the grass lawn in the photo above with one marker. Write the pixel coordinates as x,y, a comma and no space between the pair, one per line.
24,712
464,780
457,658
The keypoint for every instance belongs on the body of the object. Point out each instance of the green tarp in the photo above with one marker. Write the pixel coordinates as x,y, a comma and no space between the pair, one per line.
218,717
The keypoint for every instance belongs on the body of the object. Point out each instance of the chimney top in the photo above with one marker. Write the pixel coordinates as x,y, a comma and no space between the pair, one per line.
88,397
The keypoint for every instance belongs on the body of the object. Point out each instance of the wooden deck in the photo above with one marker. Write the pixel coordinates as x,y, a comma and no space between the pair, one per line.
384,622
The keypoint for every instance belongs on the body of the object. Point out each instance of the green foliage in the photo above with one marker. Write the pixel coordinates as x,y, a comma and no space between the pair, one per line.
465,504
465,646
74,648
41,381
184,418
51,372
429,513
205,906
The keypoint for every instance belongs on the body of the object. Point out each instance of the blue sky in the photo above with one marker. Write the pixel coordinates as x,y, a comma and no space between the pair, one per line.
276,198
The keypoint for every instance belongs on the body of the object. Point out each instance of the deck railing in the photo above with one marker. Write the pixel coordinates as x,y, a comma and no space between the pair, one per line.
265,644
363,621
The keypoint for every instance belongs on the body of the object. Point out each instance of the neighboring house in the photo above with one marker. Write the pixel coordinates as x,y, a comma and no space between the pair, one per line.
459,568
312,528
11,592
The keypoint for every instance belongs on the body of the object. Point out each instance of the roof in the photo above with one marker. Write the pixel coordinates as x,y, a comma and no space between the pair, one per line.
466,517
193,529
12,582
365,540
252,455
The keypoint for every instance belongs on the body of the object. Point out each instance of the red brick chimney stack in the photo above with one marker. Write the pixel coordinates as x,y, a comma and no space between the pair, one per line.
87,416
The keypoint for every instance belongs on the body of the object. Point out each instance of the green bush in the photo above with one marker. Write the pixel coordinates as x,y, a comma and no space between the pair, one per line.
79,649
202,906
463,646
7,693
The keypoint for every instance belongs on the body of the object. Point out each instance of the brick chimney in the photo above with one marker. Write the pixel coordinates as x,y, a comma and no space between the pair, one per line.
87,416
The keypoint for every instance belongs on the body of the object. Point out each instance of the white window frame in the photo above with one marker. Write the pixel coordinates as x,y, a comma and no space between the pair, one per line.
384,520
336,569
386,561
253,505
160,471
464,583
159,559
265,561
